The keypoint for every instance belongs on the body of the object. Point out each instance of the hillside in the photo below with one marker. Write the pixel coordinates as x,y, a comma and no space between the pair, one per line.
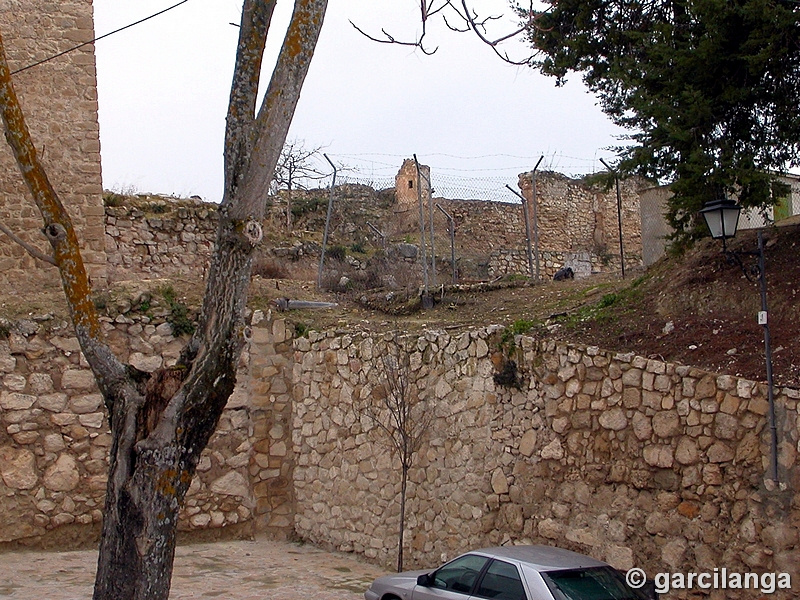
702,311
695,309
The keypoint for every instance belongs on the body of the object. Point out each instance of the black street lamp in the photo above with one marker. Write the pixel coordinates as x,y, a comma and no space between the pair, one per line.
722,218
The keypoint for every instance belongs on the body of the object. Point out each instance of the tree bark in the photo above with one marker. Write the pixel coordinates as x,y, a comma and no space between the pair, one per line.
161,423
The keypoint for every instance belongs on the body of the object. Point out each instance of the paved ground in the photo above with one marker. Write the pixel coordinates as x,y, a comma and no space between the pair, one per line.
238,570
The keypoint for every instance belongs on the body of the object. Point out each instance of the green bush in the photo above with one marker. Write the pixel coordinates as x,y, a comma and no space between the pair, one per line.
179,316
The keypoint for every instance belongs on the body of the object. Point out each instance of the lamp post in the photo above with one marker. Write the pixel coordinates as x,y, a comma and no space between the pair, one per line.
722,219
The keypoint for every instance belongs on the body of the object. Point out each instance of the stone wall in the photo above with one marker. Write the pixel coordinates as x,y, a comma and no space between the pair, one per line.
55,439
159,237
576,217
635,461
631,460
59,99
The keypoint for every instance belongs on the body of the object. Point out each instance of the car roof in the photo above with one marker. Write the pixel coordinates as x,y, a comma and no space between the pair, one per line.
542,558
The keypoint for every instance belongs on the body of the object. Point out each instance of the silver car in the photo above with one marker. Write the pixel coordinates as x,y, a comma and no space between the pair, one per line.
510,573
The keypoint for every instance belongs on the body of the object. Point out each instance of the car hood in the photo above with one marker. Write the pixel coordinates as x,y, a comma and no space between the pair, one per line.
405,580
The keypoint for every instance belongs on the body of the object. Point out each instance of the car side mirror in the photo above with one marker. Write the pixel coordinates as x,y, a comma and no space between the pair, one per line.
424,580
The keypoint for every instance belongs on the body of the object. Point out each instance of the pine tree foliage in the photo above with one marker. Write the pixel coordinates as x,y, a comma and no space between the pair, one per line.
710,89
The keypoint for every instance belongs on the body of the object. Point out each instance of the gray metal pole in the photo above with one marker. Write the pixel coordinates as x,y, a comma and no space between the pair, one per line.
535,203
527,228
422,231
327,224
433,247
452,228
768,355
379,233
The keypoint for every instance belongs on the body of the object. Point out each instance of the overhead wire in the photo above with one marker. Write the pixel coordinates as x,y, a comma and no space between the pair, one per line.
92,41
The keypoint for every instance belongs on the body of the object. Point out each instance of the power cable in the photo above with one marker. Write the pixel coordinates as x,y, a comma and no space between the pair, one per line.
105,35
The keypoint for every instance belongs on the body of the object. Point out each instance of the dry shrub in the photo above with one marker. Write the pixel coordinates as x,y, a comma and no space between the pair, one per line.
270,268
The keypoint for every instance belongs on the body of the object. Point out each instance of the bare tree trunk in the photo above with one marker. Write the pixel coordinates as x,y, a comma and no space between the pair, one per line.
289,206
161,423
403,485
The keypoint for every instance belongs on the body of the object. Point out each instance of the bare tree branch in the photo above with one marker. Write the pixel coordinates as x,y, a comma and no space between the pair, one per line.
32,250
390,39
472,22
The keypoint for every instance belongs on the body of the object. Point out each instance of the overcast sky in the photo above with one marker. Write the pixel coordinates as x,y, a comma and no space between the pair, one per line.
163,91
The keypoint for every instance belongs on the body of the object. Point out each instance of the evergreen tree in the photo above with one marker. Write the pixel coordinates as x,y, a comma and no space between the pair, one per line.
710,89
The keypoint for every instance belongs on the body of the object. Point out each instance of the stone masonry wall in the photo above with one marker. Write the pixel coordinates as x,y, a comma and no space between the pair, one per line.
635,461
55,438
59,99
160,238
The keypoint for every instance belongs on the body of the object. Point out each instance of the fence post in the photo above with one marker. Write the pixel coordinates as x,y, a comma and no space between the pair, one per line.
452,228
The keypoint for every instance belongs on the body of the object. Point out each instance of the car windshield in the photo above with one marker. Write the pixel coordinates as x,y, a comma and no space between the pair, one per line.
599,583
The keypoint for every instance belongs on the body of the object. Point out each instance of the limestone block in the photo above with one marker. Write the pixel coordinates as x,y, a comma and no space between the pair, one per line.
200,520
53,402
77,379
16,401
54,442
620,557
63,476
706,388
554,450
642,427
551,529
687,452
527,443
719,453
18,468
41,383
15,382
499,482
614,419
87,403
583,536
673,552
658,456
92,420
7,363
725,426
231,484
148,364
666,424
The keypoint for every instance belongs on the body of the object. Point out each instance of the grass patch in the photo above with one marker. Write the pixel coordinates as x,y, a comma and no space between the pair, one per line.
179,315
611,307
518,327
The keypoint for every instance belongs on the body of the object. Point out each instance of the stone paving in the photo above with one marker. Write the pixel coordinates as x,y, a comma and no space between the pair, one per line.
241,570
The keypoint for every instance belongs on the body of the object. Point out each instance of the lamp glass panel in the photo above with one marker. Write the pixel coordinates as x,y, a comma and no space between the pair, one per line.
714,221
730,219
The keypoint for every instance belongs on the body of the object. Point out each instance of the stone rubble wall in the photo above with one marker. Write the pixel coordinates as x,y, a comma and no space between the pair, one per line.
59,99
165,237
160,239
55,438
634,461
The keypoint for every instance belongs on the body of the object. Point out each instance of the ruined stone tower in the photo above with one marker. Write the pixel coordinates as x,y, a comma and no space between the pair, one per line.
59,99
406,185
